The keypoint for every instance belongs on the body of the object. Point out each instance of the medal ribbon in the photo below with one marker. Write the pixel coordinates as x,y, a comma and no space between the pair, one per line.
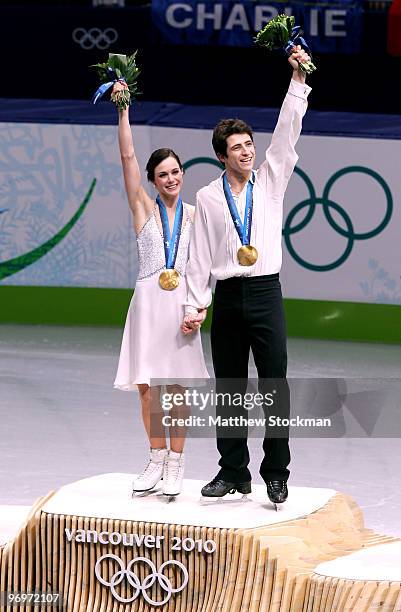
171,242
243,229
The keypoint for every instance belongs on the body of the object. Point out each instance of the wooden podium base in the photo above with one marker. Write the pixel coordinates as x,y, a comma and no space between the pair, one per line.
103,551
369,579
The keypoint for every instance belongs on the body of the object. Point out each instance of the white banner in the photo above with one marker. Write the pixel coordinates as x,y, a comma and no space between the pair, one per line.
342,213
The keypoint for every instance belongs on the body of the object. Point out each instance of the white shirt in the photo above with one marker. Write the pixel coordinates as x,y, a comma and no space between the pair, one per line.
215,241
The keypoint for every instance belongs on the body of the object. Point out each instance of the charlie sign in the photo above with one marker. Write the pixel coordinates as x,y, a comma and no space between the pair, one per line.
329,27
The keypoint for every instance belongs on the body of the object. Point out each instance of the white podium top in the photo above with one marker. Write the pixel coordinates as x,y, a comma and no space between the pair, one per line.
11,519
109,496
374,563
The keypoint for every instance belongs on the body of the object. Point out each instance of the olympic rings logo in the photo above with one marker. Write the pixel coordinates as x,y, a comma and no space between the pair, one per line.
134,581
348,231
328,205
95,37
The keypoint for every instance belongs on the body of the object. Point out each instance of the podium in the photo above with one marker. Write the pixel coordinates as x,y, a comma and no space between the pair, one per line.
369,579
102,551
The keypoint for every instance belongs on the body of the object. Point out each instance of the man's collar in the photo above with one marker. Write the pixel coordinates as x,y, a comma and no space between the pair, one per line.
252,178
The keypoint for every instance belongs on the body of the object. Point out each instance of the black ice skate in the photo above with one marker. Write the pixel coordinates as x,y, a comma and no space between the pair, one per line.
219,488
277,492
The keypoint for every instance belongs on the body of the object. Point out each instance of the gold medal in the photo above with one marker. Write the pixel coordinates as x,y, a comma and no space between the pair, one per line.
247,255
169,279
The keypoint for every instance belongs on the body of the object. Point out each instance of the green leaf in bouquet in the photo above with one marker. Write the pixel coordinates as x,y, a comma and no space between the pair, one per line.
276,32
283,34
118,62
118,57
290,23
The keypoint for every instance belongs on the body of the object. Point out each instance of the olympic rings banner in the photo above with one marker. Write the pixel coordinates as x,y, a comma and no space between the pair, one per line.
329,27
64,219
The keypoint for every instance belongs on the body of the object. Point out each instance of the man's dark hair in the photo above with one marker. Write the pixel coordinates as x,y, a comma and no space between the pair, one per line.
156,158
226,128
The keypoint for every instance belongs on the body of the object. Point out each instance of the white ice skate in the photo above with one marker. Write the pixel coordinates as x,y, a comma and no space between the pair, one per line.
153,472
173,474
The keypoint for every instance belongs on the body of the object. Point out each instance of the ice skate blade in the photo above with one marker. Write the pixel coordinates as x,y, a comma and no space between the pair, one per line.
276,506
145,493
204,500
170,498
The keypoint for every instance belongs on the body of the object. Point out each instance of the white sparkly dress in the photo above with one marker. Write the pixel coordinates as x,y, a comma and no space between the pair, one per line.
153,345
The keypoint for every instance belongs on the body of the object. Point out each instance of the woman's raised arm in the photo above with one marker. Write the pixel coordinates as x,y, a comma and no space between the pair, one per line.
139,201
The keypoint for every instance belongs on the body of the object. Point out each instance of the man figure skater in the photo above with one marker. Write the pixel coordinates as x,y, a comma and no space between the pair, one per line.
237,240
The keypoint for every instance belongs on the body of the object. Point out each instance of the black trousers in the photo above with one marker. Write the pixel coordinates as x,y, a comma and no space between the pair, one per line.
248,313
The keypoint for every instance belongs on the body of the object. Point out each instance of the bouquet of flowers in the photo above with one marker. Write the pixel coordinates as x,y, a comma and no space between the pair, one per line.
118,68
282,33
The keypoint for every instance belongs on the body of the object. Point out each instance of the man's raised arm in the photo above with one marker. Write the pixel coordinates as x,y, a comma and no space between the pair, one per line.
281,156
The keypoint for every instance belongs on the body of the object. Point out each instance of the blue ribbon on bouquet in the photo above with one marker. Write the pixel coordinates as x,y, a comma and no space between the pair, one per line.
296,39
105,86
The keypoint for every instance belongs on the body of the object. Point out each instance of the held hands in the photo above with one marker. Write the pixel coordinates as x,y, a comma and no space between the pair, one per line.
298,56
192,322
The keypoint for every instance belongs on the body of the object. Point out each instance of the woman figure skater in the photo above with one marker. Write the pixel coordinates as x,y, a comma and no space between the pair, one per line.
153,346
